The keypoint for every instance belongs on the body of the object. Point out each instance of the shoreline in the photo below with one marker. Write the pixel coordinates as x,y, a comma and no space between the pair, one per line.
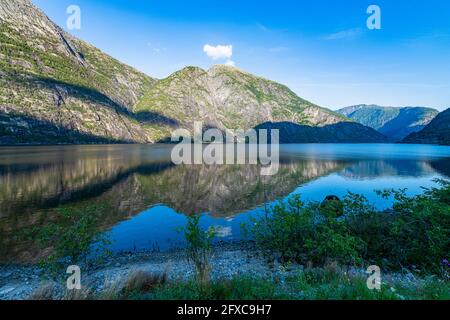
229,259
18,282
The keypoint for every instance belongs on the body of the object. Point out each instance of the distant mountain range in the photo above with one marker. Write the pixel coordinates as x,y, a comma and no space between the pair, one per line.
55,88
437,132
395,123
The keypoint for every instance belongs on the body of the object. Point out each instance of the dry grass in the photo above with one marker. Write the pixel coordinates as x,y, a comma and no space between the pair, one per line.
140,281
47,291
77,295
111,290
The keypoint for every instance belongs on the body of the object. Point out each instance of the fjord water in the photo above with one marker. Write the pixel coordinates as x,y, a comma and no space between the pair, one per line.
142,198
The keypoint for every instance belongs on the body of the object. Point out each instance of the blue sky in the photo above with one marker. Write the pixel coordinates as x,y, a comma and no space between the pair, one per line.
321,49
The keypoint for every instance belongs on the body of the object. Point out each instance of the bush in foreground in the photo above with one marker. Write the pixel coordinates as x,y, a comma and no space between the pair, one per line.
413,235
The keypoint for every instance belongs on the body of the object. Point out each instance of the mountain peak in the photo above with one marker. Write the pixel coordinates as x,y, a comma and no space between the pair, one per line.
190,70
228,97
223,67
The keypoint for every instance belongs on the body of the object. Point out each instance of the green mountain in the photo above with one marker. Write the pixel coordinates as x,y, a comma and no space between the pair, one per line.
394,123
55,88
227,97
437,132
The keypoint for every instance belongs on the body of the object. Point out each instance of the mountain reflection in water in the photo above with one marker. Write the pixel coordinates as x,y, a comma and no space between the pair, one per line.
142,197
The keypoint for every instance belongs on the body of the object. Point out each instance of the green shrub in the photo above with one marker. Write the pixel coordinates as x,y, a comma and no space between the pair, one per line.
199,247
415,234
295,232
74,238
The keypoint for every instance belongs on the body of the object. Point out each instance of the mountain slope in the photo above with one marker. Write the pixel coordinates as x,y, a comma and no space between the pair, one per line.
55,87
225,97
437,132
395,123
342,132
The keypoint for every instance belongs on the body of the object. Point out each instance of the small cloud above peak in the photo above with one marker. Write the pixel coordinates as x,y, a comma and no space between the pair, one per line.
220,52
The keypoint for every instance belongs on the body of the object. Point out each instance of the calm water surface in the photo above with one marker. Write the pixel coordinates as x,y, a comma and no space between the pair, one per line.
142,198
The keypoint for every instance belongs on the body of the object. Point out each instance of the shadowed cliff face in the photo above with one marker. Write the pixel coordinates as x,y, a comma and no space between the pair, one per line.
437,132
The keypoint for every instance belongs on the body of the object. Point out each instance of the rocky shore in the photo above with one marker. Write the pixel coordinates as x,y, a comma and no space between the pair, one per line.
17,282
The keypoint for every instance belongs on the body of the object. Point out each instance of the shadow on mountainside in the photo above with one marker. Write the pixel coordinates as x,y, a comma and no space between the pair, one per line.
95,96
18,128
64,90
343,132
23,130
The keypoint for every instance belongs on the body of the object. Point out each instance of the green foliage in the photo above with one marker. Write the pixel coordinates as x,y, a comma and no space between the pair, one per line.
239,288
296,232
312,284
75,238
414,234
328,283
199,247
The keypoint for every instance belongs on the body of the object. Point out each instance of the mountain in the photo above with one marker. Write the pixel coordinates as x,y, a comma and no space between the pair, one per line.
227,97
437,132
55,88
395,123
341,132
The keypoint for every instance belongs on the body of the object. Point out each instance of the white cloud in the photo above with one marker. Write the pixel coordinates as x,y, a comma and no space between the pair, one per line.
218,52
